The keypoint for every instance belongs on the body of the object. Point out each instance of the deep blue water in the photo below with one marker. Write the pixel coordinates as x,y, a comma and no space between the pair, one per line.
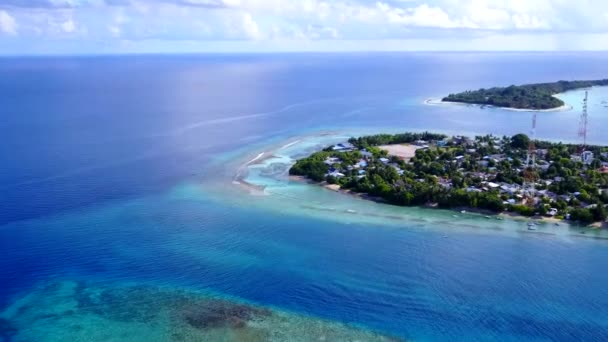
94,148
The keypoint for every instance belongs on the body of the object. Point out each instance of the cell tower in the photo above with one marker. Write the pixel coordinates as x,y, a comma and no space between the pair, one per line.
530,167
582,128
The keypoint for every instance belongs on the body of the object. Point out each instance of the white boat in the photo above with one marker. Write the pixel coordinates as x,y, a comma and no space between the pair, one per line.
531,226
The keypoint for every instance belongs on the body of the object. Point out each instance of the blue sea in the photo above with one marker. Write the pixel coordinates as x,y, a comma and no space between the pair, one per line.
124,215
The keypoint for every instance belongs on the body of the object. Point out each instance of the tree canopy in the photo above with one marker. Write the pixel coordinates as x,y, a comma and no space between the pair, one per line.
528,96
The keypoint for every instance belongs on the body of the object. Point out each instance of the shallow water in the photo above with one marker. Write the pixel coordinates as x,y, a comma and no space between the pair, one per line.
124,186
80,311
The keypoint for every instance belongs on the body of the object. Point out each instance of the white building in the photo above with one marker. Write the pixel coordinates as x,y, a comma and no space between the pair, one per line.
587,157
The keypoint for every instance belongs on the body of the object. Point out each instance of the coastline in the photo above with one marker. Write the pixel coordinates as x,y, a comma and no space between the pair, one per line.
277,190
460,210
437,102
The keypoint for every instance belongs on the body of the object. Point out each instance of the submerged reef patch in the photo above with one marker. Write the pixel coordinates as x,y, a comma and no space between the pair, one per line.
81,311
221,314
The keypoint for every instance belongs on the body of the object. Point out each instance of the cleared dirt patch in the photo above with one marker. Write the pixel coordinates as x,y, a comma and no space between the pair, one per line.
403,151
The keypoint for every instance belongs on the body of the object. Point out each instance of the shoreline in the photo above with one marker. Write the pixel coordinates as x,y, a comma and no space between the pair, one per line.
437,102
241,182
460,210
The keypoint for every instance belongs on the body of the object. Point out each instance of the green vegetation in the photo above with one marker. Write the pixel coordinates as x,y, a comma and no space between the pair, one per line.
529,96
486,172
389,139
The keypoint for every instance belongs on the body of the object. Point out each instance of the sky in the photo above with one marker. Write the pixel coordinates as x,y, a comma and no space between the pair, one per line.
46,27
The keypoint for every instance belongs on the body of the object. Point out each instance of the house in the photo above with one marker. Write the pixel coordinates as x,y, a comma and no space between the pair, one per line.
384,160
552,212
366,153
421,143
493,185
587,157
362,164
336,174
332,161
509,189
343,147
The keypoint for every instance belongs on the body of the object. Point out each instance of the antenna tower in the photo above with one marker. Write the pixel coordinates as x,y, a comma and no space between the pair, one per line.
530,167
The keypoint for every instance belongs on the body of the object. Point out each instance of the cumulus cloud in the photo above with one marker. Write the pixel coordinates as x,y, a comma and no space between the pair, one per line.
280,20
8,24
250,27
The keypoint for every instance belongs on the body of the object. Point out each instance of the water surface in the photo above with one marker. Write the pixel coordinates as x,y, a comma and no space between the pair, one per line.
117,175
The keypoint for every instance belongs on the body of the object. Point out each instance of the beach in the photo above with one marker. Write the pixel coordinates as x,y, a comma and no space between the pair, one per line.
439,102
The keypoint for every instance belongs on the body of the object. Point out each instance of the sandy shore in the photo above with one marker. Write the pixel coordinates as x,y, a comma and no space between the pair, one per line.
437,102
465,210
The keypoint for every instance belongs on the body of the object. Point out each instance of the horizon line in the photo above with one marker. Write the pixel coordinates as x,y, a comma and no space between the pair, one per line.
202,53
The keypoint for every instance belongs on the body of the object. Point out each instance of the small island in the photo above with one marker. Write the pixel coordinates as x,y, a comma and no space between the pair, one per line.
486,173
529,96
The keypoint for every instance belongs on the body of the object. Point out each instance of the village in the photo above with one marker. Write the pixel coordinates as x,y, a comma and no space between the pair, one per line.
531,178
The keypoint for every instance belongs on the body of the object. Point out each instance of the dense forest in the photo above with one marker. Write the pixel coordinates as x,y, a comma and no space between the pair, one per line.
530,96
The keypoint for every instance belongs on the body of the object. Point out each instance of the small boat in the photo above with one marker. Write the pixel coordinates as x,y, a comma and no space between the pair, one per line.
351,211
463,212
488,217
531,226
557,224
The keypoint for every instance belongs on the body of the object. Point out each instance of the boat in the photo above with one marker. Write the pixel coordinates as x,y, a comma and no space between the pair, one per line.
531,226
463,212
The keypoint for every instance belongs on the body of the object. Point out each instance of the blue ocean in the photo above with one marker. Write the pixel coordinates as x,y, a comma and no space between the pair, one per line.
127,211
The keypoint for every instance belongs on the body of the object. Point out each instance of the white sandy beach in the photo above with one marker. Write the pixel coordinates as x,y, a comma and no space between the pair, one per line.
438,102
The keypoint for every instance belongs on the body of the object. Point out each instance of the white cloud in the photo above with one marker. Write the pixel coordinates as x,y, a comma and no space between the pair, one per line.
525,21
265,22
422,15
68,26
8,24
250,27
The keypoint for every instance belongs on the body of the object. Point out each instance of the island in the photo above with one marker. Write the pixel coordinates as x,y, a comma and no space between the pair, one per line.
484,173
537,96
